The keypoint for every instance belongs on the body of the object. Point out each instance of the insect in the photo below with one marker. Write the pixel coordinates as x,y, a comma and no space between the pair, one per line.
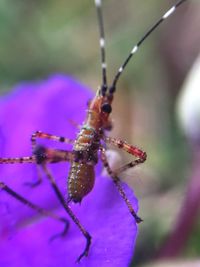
89,146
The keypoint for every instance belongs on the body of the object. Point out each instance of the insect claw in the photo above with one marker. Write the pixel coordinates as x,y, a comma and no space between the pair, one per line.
63,233
33,184
84,254
86,250
138,219
80,257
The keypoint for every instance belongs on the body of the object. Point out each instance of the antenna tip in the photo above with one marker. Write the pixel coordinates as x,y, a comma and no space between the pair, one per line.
98,2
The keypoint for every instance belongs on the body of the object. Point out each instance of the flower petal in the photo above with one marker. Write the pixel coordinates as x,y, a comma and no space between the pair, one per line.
48,106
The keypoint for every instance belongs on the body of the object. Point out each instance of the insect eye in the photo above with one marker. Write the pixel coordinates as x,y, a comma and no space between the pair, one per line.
106,108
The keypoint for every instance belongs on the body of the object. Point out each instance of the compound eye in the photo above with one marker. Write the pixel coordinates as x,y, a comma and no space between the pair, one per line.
106,108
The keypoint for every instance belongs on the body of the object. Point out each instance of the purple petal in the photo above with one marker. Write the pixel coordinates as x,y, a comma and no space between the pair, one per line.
24,238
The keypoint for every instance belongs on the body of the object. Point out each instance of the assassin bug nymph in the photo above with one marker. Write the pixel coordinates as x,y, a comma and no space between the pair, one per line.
89,144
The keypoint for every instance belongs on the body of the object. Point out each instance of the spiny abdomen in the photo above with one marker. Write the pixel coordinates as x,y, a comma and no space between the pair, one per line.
80,180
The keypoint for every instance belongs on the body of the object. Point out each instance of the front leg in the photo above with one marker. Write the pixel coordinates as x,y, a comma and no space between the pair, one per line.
44,155
133,150
42,135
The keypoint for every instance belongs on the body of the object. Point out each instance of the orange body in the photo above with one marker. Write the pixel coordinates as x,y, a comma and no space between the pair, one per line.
81,175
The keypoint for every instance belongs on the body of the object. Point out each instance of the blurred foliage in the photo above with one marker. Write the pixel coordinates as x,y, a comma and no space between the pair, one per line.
43,37
40,37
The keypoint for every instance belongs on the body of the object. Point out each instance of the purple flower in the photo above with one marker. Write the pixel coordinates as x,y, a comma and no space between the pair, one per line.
24,235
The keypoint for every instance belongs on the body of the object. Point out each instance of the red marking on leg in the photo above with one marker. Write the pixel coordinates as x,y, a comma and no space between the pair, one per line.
137,152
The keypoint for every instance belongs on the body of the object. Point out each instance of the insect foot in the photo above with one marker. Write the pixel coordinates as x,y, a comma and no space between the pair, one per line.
87,247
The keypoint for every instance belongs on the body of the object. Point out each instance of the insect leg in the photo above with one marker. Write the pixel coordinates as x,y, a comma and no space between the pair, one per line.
42,135
69,211
30,159
127,166
45,155
39,134
117,181
41,155
38,209
133,150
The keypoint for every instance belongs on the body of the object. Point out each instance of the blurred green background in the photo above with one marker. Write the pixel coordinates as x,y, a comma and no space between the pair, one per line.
38,38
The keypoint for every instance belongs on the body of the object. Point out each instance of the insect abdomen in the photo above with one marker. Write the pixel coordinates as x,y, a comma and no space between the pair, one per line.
80,180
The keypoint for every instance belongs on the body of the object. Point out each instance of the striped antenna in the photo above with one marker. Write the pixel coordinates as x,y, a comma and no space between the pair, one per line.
104,86
135,48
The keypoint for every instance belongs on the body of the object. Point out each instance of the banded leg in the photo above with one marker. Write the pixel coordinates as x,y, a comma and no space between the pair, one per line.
133,150
45,155
117,181
20,160
41,155
128,165
42,135
69,212
38,209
